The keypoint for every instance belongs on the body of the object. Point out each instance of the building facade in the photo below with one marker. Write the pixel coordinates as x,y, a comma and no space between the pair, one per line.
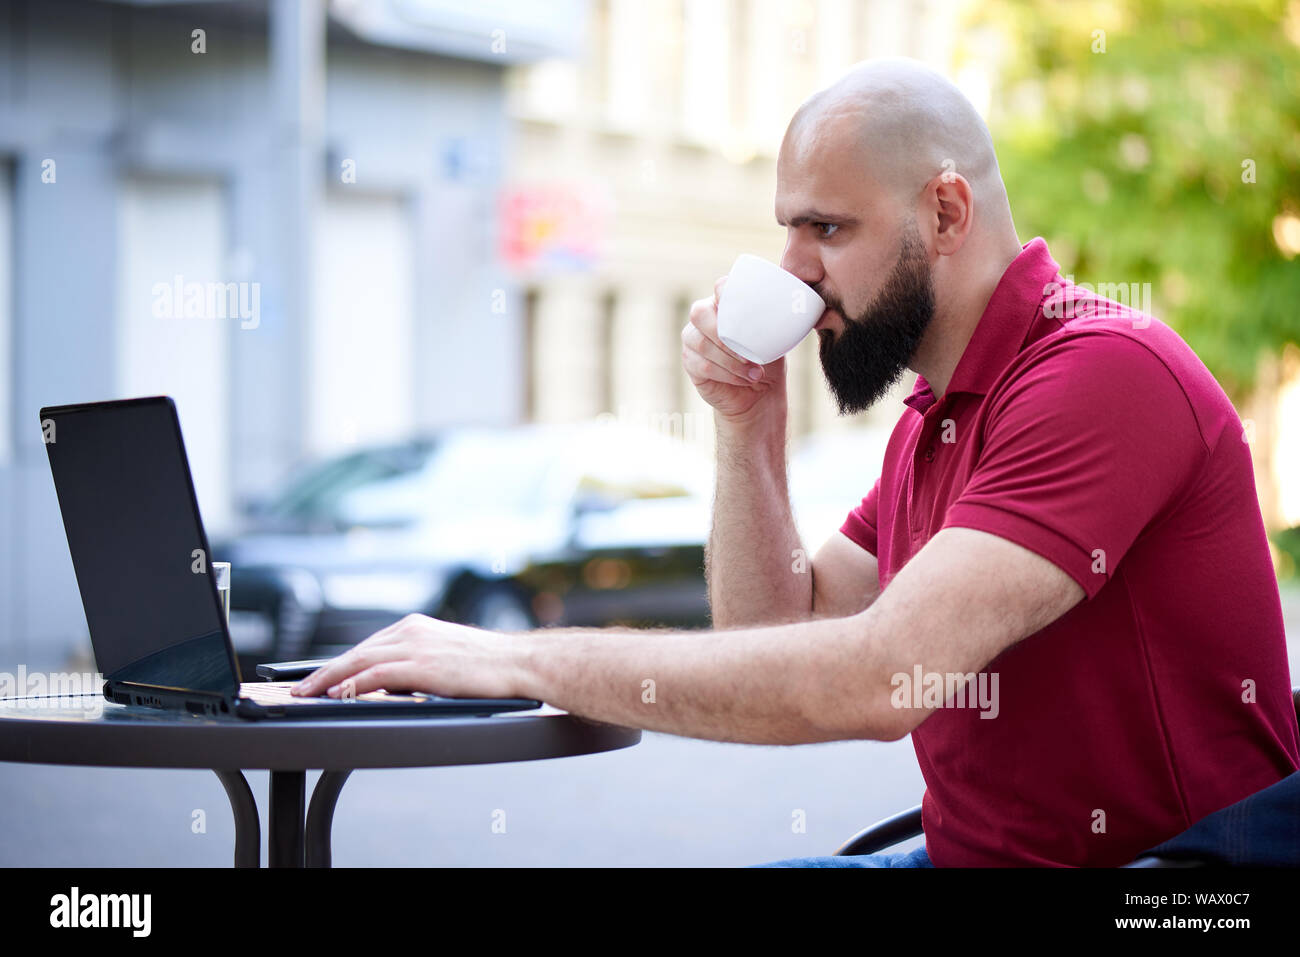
279,212
662,136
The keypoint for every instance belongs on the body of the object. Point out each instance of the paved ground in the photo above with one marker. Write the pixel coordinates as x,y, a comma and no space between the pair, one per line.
668,801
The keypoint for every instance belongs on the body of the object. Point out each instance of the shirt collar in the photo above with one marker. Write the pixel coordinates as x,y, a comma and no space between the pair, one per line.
1002,328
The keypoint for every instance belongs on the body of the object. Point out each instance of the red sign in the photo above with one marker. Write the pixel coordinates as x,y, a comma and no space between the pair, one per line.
553,228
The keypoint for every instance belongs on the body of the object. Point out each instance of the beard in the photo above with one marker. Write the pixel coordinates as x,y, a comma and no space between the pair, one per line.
870,354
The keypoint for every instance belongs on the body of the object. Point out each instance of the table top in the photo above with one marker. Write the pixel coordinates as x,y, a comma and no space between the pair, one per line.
87,730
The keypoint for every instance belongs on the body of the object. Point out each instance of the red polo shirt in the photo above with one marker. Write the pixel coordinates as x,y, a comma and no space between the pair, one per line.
1091,434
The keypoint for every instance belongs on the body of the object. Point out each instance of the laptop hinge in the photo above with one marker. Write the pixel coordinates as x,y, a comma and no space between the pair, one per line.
210,703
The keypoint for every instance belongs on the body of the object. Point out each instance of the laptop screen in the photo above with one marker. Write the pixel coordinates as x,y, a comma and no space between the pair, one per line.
138,545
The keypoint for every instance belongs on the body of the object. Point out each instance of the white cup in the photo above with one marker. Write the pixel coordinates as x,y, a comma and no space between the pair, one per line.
764,311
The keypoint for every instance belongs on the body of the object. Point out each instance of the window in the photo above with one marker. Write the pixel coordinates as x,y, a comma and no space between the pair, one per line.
6,319
178,307
362,367
706,71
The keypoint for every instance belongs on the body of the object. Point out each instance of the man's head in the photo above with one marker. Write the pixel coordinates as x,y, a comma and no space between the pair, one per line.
875,344
888,186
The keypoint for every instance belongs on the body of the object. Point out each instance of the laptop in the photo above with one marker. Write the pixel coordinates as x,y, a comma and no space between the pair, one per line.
143,567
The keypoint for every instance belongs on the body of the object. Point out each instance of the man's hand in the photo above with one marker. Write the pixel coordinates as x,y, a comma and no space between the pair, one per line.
420,653
723,379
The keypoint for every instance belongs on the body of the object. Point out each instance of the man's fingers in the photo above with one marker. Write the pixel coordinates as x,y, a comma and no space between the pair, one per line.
704,320
717,289
396,675
358,656
701,369
694,339
345,665
704,317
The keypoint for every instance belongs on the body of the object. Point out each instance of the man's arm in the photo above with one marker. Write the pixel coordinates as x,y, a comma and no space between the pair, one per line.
845,578
756,568
753,562
963,599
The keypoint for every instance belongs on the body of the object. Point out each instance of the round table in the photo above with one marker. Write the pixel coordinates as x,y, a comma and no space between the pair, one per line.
89,731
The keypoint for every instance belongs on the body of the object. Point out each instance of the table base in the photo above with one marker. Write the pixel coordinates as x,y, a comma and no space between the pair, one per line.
292,841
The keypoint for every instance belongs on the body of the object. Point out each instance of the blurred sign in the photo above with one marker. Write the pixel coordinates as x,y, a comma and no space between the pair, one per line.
553,228
495,31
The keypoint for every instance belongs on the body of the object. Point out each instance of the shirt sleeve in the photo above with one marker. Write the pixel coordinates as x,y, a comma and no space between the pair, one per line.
1080,453
860,526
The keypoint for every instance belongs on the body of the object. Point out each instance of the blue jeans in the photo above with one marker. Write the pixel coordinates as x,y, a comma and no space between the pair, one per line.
916,858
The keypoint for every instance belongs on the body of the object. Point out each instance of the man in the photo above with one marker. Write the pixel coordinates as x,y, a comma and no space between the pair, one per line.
1059,585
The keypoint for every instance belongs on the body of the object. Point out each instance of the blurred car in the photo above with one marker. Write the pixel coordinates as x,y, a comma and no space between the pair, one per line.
509,529
830,474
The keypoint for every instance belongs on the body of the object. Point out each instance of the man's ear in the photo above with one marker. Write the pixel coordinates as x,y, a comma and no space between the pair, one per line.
951,209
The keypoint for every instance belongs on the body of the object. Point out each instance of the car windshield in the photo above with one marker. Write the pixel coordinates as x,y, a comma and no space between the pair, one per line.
627,464
314,494
837,467
471,473
487,470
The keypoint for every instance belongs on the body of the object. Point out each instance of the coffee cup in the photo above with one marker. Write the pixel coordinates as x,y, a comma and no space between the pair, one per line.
765,311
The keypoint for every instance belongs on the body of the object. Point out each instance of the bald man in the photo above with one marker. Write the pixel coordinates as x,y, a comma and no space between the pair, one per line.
1059,584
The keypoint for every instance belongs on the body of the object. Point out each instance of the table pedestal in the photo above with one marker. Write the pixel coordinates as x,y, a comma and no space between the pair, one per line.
291,840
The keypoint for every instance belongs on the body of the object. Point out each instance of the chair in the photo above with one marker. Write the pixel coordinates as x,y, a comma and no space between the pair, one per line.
1201,845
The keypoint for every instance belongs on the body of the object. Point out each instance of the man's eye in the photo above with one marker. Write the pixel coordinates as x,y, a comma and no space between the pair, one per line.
822,227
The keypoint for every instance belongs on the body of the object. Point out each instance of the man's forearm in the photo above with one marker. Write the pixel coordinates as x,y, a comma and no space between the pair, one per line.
756,572
784,684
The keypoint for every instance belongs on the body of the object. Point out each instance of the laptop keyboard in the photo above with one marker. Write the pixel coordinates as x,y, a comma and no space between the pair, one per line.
277,693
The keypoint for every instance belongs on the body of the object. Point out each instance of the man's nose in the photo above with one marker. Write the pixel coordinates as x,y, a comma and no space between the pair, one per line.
806,266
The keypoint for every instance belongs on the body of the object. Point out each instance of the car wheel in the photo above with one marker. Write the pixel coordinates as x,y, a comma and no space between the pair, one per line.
295,626
500,608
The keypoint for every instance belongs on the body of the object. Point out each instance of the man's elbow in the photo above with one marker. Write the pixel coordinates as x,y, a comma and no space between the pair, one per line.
879,722
897,726
888,723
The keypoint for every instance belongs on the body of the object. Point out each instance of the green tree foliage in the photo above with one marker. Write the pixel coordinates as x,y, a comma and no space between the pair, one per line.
1135,163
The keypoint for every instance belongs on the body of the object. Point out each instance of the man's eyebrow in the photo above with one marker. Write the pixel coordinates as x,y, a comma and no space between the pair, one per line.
816,216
